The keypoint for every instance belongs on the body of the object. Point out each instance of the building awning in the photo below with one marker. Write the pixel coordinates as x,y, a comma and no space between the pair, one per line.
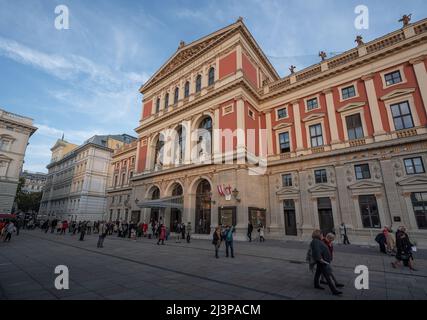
167,202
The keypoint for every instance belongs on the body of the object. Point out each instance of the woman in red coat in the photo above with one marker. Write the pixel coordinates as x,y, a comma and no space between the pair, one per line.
162,234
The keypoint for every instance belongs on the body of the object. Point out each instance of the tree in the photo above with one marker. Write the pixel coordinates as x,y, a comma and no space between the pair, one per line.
27,202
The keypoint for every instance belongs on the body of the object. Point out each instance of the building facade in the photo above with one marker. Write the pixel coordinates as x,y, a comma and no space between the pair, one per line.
77,178
224,140
119,190
15,132
34,181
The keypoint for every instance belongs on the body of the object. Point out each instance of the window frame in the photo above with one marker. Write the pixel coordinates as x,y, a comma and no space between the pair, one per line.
278,117
323,175
413,165
186,89
211,76
347,97
279,134
287,177
307,101
176,95
198,83
354,129
316,136
362,172
401,116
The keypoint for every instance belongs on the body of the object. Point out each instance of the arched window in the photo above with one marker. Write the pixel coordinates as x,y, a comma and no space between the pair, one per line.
211,78
204,145
187,89
176,96
166,100
158,105
158,153
180,145
155,194
203,207
199,83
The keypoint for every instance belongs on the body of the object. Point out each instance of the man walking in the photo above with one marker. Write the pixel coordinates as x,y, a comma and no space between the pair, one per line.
82,231
343,233
10,228
188,230
102,234
250,229
228,235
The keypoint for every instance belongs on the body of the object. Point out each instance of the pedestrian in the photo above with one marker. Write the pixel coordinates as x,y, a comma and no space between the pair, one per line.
328,240
102,234
380,238
343,234
390,241
404,250
9,229
82,231
64,227
162,234
228,236
261,233
250,229
216,241
177,229
183,231
188,229
320,254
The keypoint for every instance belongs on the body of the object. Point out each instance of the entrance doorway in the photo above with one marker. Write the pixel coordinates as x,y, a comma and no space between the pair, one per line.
176,214
326,219
203,208
290,217
155,212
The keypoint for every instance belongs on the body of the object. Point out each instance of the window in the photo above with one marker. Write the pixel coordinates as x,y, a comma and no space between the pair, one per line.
419,203
354,127
362,171
116,180
187,89
321,176
369,211
176,96
123,178
158,105
132,161
348,92
166,100
402,116
392,78
312,104
316,136
282,113
251,114
284,143
211,78
130,175
414,165
198,83
287,180
120,199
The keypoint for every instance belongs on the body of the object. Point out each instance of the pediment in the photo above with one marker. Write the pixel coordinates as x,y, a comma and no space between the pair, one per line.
322,188
365,185
351,106
282,126
414,180
287,191
397,93
314,116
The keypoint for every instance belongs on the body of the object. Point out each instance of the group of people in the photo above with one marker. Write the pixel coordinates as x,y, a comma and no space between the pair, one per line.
398,245
260,231
224,234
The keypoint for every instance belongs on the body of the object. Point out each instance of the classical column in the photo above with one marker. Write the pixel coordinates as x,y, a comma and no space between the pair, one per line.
270,150
297,122
216,138
187,155
421,75
149,154
373,107
239,62
331,116
241,130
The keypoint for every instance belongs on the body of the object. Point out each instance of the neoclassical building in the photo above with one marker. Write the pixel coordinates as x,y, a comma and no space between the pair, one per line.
224,139
15,132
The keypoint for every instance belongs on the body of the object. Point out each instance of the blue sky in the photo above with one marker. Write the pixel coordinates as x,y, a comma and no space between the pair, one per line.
85,80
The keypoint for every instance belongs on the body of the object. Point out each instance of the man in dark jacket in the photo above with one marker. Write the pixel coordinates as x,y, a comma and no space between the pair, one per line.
250,229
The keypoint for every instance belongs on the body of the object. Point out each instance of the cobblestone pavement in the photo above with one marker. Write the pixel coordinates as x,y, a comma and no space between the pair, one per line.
127,269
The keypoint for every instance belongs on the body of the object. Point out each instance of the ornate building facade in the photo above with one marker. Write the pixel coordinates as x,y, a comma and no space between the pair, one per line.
15,132
34,181
77,178
223,139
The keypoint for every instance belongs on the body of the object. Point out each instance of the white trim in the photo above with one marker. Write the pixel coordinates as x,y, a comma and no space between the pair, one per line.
402,76
276,112
354,84
278,132
320,121
401,99
361,112
225,112
249,113
316,96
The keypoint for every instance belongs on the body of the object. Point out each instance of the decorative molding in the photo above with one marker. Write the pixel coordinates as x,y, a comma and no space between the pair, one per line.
397,93
351,106
414,180
314,116
365,185
282,126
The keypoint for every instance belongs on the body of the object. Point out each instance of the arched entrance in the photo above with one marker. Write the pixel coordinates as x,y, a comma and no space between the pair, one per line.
203,207
176,214
155,212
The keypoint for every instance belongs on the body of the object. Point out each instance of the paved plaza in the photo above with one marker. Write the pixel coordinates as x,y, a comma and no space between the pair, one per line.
126,269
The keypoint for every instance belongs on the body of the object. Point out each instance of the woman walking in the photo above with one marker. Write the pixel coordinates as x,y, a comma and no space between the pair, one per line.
216,241
404,250
162,234
328,240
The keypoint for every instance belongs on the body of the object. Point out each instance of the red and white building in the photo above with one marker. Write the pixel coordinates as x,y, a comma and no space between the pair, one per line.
344,140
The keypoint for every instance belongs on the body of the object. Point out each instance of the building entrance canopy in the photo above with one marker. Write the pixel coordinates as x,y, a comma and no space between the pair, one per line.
167,202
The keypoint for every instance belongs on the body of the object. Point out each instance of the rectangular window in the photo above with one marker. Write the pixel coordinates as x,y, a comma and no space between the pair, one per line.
321,176
312,104
316,135
402,116
285,145
348,92
392,78
354,127
282,113
419,203
287,180
158,105
362,171
369,211
414,165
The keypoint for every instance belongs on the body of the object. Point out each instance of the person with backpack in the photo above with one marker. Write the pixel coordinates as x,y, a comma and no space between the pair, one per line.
228,236
319,256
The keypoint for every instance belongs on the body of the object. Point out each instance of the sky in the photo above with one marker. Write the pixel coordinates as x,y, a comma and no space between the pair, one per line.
84,80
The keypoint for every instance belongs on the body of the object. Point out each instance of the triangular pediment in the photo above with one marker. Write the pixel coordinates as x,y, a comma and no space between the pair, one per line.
282,126
414,180
397,93
365,185
351,106
322,188
285,191
314,116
